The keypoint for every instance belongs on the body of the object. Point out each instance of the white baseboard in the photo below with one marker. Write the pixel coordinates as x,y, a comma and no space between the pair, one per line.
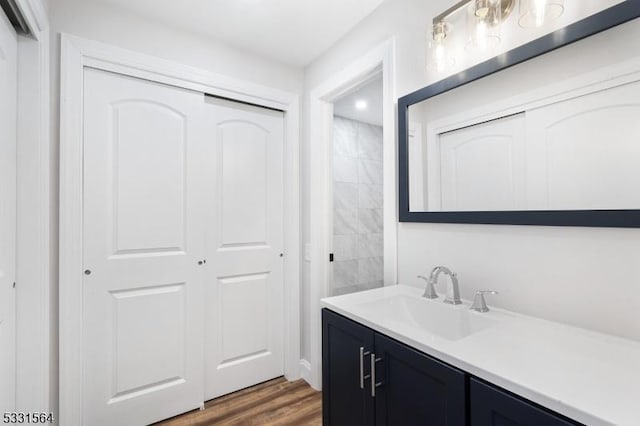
305,372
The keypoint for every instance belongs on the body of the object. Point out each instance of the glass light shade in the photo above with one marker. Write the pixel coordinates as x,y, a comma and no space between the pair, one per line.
482,8
484,19
439,58
537,13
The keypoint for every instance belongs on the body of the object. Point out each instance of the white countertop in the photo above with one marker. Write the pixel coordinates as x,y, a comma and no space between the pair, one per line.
590,377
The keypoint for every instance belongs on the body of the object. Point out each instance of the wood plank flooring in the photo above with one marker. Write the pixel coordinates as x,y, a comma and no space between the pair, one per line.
276,402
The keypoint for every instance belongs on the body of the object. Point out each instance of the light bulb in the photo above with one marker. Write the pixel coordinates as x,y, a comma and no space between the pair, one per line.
481,34
439,57
540,10
439,51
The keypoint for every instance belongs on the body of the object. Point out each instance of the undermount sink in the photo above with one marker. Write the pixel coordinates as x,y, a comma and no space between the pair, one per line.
433,316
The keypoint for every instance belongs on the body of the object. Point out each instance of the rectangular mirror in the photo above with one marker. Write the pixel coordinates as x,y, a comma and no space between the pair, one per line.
486,146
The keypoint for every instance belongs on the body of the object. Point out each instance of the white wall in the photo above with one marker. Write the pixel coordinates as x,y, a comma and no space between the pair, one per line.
402,19
102,22
107,24
587,277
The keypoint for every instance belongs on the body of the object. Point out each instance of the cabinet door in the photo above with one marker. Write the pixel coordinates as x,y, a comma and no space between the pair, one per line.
416,389
346,395
491,406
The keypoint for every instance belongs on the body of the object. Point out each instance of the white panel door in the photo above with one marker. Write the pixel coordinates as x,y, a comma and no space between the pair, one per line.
8,107
143,296
584,153
244,286
483,166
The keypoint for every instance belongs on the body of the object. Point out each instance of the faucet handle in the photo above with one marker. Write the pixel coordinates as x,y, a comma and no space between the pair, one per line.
479,304
429,291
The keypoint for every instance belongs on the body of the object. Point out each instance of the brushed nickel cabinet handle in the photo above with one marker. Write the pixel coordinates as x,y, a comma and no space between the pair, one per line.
374,385
363,353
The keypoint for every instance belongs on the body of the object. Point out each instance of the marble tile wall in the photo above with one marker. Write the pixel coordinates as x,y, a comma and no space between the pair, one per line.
357,206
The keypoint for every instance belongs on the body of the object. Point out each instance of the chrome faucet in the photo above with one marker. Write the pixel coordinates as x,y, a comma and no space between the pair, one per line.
430,292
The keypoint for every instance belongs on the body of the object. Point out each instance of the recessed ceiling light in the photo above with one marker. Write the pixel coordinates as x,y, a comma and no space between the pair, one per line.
361,105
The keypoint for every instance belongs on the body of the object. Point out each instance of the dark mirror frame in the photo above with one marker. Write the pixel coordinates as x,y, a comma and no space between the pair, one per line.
615,15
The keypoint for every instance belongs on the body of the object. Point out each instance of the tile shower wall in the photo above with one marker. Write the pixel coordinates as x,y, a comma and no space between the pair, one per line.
357,206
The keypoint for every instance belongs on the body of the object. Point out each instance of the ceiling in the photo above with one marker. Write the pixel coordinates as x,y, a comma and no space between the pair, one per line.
294,32
372,94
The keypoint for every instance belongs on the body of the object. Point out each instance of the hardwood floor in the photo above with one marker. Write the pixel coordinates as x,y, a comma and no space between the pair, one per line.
276,402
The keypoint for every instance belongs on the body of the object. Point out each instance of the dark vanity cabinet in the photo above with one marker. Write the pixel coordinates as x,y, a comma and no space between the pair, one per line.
416,389
371,379
491,406
346,349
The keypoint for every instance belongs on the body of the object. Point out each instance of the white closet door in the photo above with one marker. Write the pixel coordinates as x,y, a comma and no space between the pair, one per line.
244,286
143,299
483,166
584,153
8,107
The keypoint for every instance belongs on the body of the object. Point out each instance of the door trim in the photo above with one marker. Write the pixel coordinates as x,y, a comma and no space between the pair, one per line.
78,53
34,313
321,144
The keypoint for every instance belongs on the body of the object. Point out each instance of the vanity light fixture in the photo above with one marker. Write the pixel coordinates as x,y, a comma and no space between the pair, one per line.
361,105
537,13
483,29
484,19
